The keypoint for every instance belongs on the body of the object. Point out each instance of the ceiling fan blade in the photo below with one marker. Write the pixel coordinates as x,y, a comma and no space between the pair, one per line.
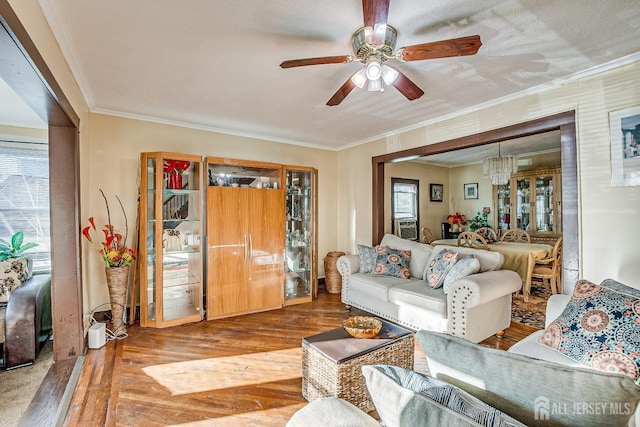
442,49
375,20
407,87
317,61
342,93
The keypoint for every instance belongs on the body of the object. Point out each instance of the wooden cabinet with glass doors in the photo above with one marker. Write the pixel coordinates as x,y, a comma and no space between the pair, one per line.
245,237
301,263
170,253
530,201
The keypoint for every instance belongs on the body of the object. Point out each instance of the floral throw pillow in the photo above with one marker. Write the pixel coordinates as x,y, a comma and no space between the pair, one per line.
599,328
392,262
13,272
367,255
439,266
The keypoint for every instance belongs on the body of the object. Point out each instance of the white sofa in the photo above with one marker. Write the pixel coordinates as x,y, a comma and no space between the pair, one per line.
476,306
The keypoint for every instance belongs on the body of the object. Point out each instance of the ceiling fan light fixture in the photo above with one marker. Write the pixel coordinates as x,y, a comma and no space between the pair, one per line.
375,85
389,75
374,69
359,78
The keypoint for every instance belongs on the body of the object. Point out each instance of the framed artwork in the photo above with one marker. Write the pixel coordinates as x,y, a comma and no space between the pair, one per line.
471,191
624,134
437,190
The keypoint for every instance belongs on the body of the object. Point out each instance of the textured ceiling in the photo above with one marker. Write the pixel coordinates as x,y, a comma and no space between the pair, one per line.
215,64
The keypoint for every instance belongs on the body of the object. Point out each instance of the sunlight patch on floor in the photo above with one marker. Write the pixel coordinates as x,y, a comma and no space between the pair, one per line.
195,376
256,418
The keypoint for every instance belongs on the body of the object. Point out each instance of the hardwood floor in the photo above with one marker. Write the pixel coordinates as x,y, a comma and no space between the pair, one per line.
243,370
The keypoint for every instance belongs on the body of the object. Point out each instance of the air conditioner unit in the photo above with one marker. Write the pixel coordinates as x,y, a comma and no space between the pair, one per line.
407,229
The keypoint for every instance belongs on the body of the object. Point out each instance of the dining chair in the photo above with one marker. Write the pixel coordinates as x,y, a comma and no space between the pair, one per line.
471,239
426,235
488,233
516,235
549,270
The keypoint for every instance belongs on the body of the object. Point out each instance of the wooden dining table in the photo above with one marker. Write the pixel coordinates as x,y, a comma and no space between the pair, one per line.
518,257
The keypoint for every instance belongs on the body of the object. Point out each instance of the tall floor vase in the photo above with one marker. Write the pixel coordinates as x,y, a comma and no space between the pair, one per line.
117,281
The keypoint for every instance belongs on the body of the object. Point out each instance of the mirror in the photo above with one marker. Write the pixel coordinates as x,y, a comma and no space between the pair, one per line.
564,122
455,169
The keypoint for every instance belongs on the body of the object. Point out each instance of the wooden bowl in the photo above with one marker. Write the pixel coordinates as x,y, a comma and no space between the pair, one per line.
362,326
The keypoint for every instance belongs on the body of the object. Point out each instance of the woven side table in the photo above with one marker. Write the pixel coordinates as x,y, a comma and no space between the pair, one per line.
332,362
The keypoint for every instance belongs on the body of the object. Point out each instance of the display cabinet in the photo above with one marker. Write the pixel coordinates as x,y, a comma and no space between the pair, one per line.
170,253
301,265
531,201
502,197
245,237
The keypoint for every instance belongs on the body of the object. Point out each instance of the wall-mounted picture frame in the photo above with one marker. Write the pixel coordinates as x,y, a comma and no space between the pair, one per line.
624,135
471,191
436,192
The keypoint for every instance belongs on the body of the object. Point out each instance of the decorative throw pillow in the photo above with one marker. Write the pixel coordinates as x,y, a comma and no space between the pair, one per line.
13,272
464,267
439,267
392,387
392,262
367,255
599,328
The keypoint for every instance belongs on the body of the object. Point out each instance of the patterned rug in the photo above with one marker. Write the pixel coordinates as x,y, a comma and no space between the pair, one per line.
532,312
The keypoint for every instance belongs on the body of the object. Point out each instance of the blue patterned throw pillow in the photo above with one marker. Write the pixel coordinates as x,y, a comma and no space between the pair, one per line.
367,255
439,266
392,262
600,327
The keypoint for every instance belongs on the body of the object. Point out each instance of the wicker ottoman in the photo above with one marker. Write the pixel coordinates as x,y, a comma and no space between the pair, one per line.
332,362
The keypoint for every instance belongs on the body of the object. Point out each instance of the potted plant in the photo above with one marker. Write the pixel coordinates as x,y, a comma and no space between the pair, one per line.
15,266
117,258
480,220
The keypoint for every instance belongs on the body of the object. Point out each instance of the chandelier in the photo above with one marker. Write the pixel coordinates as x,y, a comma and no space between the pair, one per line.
499,169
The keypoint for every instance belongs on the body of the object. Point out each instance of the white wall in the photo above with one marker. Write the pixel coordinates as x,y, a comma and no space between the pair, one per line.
607,216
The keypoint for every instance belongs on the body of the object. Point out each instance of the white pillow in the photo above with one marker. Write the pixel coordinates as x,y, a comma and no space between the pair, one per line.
464,267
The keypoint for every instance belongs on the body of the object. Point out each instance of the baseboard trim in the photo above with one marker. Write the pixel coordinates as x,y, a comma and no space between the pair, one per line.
63,407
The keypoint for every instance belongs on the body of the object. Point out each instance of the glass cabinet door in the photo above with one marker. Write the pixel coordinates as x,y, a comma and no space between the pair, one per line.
503,206
171,256
523,204
544,204
300,255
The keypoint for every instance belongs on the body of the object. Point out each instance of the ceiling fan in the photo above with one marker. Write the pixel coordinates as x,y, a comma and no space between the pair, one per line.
373,45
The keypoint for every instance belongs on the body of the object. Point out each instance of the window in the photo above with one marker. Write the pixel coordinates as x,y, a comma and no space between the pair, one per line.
404,200
24,197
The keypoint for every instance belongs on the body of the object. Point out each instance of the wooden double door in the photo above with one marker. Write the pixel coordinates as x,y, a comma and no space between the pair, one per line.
245,250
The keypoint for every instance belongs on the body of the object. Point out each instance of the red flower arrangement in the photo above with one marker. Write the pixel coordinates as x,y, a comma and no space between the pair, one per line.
173,172
456,219
175,166
113,249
